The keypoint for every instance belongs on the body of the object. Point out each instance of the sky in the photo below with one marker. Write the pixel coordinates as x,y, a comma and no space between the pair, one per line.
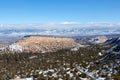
59,17
44,11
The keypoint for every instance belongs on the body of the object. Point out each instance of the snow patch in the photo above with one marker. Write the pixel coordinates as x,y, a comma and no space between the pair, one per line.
16,47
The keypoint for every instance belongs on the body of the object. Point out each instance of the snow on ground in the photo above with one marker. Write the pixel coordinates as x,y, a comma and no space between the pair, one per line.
22,79
16,47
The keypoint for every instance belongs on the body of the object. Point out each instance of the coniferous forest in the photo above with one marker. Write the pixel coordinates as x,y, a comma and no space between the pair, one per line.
60,65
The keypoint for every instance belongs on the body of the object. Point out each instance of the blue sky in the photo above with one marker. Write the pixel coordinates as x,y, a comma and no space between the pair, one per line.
38,11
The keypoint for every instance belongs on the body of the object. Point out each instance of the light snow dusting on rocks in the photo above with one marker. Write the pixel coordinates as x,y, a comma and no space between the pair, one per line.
16,47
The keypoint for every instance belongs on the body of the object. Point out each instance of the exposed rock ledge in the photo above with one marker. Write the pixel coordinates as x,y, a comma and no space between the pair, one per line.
42,44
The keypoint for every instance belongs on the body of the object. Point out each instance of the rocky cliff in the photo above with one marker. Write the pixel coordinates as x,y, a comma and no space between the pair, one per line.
42,44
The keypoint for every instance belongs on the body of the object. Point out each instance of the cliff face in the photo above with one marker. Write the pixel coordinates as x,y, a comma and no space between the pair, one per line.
43,44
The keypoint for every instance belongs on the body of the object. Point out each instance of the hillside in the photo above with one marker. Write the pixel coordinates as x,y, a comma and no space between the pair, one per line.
93,62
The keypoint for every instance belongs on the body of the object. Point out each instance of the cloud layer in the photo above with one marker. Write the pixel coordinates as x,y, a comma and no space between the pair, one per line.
65,28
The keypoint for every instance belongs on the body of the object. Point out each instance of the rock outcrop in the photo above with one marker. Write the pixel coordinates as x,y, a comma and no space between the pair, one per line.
42,44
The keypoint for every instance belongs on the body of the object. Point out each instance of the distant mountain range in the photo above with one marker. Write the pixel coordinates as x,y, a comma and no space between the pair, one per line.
59,29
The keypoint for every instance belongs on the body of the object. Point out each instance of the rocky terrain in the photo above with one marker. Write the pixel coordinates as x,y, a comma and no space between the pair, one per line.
99,40
42,44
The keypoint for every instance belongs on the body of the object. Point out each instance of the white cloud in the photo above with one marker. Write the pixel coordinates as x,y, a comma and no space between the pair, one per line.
64,28
70,22
56,25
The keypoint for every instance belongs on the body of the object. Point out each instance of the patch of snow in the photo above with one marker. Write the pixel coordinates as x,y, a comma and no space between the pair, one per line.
100,78
60,79
55,75
100,54
51,70
84,79
2,48
74,49
22,79
16,47
32,57
40,72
